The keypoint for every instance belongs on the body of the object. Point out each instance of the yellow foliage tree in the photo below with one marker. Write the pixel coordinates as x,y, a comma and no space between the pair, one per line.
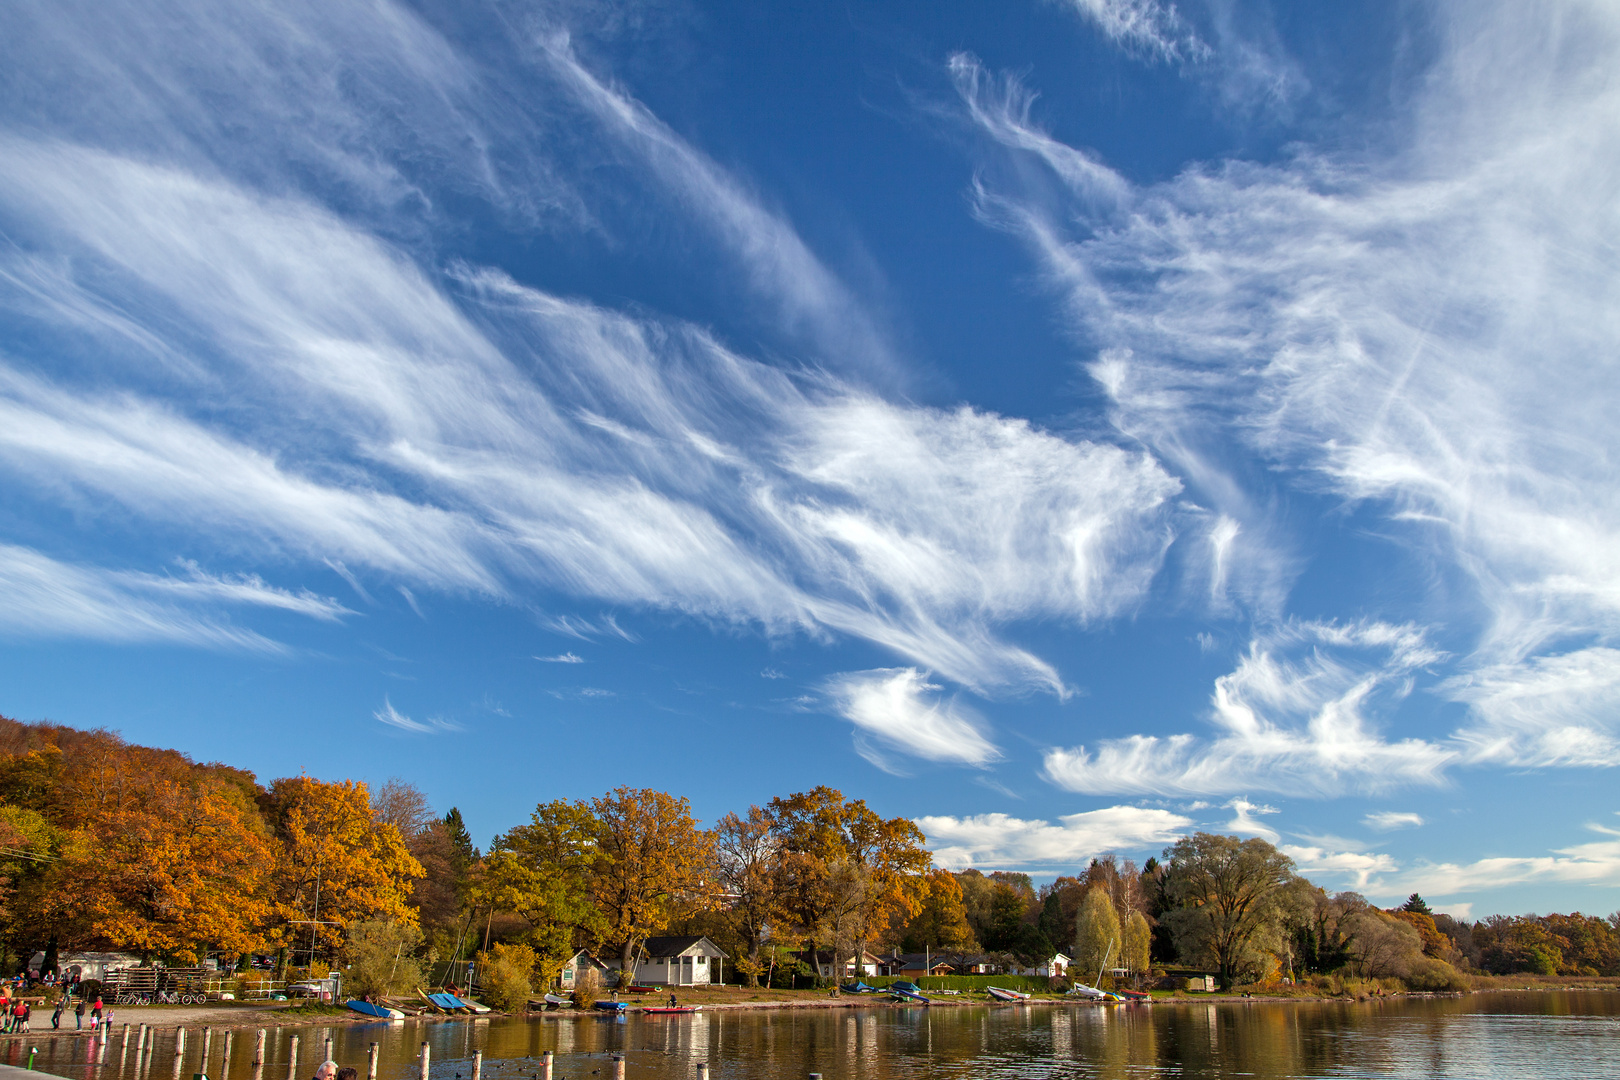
653,864
335,864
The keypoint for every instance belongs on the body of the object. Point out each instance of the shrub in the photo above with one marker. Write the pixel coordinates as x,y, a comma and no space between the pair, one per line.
1436,976
506,971
587,988
381,958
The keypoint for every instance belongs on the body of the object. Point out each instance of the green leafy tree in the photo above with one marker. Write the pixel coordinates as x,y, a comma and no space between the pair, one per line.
1228,900
543,872
1138,939
506,973
1097,933
381,958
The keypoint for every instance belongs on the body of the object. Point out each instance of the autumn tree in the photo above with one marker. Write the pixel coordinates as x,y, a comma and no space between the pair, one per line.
746,853
845,872
1226,895
403,805
1097,932
652,863
173,866
381,957
335,864
545,872
941,922
1138,938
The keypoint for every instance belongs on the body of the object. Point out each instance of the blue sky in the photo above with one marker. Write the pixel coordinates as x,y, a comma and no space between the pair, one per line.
1066,423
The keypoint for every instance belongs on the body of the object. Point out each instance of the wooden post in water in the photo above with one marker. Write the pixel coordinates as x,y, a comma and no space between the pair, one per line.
258,1048
618,1067
225,1054
292,1059
426,1060
179,1043
140,1042
371,1063
328,1055
478,1065
208,1047
703,1070
545,1065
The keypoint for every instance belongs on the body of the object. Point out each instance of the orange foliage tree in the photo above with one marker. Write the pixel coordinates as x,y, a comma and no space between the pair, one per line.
335,864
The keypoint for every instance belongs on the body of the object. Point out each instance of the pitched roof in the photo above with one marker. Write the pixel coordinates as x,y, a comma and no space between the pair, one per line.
656,947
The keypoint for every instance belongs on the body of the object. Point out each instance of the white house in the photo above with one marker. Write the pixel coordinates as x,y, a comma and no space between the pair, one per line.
674,961
576,965
822,960
1056,967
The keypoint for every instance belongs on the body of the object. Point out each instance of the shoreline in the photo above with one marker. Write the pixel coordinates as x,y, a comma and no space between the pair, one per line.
218,1017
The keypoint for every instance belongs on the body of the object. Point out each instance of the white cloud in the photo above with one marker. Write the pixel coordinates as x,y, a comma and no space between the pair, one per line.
1389,820
1244,823
902,710
1292,718
474,435
1358,869
395,719
1409,330
561,658
1549,710
48,598
997,840
1149,26
1596,863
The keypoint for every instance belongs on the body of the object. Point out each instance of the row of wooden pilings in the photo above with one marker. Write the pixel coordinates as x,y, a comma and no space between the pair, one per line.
146,1040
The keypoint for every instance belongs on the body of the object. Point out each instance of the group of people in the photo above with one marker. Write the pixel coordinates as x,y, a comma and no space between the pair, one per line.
17,1016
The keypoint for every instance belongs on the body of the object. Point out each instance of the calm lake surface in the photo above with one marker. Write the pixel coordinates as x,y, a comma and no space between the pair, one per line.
1525,1036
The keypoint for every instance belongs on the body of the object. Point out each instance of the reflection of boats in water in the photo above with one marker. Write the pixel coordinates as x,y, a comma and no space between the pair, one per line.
1006,995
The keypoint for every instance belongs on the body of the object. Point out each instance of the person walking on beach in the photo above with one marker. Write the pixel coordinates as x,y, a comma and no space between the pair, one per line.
78,1015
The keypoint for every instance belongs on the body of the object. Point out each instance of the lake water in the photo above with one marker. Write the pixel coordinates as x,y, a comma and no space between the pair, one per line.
1523,1036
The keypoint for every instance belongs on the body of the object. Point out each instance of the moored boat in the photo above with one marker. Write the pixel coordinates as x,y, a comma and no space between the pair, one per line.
1006,995
366,1008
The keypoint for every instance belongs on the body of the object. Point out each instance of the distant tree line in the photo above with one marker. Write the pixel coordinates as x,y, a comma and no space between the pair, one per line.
105,845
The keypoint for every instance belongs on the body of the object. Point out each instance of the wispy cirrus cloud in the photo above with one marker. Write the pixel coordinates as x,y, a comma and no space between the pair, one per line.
1001,841
1549,710
47,598
1151,27
287,380
1408,333
1389,820
900,709
395,719
1292,718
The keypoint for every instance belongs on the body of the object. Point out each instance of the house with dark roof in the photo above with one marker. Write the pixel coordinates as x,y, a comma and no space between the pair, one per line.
821,962
911,965
672,961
